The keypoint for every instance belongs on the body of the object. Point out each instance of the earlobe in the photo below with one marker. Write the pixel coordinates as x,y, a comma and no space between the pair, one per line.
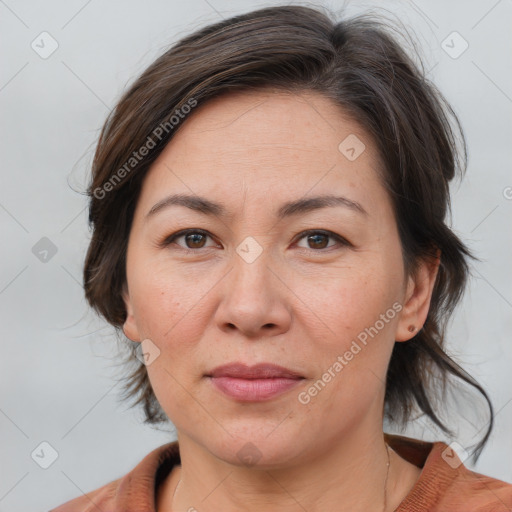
130,326
417,299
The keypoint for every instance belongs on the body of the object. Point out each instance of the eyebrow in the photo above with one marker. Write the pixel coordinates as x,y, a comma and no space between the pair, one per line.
207,207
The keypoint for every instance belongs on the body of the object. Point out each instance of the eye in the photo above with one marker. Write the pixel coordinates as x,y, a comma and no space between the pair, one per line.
193,239
318,239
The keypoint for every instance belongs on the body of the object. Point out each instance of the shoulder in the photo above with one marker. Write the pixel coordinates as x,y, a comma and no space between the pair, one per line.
102,499
134,491
446,483
482,492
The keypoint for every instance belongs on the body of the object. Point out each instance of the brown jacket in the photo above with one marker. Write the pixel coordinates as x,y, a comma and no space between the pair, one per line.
445,484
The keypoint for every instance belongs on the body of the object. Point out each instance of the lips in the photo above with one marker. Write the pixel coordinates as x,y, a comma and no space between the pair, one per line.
258,371
253,383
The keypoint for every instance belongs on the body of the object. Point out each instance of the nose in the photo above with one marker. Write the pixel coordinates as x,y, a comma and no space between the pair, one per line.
254,300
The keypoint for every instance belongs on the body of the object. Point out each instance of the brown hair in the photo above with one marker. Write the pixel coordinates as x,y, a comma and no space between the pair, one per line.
359,65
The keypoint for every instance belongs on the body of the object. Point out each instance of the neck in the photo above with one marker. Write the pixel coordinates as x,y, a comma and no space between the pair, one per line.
351,475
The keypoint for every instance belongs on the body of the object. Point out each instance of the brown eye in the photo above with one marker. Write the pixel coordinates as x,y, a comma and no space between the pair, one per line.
318,240
194,239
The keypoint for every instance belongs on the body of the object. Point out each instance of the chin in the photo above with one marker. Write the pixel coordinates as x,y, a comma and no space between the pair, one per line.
256,446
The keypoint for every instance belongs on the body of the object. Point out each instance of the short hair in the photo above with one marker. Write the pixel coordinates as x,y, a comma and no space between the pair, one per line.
359,65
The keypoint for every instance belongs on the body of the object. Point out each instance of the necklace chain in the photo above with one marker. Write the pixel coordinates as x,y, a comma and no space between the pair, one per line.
174,494
385,484
386,481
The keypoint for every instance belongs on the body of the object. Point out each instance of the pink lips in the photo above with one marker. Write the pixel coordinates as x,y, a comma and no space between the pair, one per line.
253,383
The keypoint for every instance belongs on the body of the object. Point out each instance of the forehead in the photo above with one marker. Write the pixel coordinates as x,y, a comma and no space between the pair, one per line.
268,121
266,144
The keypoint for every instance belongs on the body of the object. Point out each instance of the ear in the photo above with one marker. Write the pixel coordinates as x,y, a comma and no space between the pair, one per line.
417,298
130,328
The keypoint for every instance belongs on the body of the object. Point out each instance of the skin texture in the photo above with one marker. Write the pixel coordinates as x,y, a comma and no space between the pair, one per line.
299,304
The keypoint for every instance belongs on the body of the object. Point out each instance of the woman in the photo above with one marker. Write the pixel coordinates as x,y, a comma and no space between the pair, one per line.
268,204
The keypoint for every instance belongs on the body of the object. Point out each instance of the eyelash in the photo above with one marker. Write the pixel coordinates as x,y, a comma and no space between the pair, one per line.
170,239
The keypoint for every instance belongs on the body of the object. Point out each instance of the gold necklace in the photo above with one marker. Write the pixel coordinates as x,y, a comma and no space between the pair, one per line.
174,494
385,481
385,485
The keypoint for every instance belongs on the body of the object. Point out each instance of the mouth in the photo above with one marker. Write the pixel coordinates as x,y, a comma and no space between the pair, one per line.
253,383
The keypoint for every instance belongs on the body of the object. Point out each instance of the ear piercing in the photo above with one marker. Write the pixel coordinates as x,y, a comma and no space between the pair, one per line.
412,328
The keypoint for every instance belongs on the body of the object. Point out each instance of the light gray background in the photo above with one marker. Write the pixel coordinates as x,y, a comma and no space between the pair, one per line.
58,373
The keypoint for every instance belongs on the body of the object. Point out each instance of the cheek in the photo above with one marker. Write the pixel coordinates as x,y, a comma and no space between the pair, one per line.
359,311
173,392
351,299
165,301
173,317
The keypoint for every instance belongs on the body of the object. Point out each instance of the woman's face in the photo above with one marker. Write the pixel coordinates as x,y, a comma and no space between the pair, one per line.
317,288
